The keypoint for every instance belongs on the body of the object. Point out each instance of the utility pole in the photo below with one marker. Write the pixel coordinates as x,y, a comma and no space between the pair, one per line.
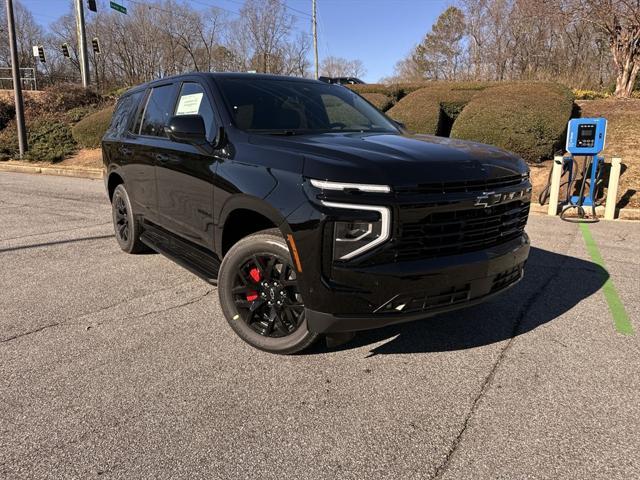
17,86
314,21
82,44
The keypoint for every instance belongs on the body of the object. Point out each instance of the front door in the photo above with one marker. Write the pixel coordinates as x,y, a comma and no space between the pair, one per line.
185,175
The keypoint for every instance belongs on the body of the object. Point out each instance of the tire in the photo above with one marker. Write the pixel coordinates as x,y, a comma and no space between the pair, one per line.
126,225
270,318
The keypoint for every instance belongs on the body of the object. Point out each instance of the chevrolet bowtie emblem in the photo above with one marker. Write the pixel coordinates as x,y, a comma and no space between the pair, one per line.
488,199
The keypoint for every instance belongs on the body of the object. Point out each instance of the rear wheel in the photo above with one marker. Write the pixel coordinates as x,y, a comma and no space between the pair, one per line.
125,224
259,295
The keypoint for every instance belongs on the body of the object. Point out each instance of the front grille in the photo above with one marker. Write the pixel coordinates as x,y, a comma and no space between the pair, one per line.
463,186
419,302
452,232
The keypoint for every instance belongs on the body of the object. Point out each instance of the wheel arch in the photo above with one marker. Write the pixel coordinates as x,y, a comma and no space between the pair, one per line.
113,181
242,216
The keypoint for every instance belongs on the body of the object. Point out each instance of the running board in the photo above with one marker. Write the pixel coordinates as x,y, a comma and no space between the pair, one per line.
192,257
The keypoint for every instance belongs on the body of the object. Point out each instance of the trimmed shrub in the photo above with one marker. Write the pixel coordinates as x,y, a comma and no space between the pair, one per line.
89,131
9,141
395,90
381,101
7,112
529,119
49,140
432,109
372,88
78,113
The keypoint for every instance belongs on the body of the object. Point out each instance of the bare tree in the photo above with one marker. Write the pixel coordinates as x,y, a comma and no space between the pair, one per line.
620,21
342,67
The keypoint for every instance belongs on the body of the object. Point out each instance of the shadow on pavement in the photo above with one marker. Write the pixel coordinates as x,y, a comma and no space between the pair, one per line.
552,285
56,242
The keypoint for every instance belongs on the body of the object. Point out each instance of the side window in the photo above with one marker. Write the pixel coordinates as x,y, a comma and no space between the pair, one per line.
122,114
193,100
157,111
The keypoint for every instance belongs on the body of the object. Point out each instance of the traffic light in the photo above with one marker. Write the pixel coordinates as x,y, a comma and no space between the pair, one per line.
96,45
38,51
65,50
92,5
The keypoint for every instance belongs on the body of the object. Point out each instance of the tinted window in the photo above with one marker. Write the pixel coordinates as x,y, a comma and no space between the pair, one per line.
158,110
122,114
342,113
274,106
194,101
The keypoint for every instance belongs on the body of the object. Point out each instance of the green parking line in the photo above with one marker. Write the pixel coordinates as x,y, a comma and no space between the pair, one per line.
620,317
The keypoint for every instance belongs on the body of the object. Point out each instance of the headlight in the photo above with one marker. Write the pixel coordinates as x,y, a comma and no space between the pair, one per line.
362,187
353,238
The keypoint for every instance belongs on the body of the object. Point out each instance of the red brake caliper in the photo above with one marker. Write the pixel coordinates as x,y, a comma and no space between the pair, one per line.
254,273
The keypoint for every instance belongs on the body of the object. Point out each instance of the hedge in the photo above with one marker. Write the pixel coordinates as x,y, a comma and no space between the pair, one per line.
89,131
529,119
432,109
395,91
9,141
49,140
7,112
381,101
62,98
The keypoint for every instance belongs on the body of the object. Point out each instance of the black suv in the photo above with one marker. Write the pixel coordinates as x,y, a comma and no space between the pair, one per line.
312,211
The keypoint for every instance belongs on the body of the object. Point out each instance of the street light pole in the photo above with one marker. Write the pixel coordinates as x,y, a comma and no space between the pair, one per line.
17,86
82,44
314,21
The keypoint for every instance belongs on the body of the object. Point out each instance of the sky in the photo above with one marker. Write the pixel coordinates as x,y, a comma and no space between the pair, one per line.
378,32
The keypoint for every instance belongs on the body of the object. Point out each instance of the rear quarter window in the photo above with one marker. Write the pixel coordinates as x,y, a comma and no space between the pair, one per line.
122,114
159,108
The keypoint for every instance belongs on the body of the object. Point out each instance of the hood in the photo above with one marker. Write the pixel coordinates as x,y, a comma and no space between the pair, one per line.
397,160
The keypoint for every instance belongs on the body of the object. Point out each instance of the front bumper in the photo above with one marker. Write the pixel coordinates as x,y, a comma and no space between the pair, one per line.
406,291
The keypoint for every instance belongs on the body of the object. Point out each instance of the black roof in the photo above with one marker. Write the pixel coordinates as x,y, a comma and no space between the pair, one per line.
237,75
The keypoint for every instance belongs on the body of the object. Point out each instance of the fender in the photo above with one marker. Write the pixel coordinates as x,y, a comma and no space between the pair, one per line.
246,202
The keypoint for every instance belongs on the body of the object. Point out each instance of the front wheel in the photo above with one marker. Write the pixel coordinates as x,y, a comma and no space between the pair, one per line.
259,295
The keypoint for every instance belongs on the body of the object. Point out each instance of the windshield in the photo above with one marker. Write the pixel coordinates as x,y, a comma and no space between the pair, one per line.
290,107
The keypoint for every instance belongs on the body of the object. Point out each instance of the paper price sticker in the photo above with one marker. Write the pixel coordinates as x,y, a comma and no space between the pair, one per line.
189,104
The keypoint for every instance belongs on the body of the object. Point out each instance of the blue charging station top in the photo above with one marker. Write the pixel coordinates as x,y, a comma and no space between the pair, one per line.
586,136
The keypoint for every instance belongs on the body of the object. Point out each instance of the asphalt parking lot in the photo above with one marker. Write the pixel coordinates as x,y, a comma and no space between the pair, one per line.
119,366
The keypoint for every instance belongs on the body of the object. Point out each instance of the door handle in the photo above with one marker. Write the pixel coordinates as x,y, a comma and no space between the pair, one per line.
125,151
162,158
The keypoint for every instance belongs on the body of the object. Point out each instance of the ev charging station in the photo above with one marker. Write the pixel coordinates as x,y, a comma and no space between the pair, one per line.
585,138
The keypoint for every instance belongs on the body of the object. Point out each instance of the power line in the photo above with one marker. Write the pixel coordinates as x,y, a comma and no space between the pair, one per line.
283,4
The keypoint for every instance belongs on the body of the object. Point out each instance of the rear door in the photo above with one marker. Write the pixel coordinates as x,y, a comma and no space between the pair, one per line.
184,174
146,139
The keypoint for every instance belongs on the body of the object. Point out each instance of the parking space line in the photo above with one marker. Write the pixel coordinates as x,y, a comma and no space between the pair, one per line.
620,317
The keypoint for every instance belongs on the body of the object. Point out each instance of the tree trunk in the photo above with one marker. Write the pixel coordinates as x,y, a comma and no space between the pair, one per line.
626,79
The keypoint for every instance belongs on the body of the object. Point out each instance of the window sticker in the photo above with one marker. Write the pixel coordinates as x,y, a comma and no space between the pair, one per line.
189,104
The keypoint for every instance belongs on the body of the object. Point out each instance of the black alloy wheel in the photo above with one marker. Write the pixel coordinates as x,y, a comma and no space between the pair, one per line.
266,294
125,225
120,217
260,295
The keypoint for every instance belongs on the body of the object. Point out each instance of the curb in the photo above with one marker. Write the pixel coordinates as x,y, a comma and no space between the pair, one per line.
94,173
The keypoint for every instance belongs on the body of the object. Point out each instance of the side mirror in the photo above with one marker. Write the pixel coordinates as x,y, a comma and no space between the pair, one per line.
400,124
187,129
